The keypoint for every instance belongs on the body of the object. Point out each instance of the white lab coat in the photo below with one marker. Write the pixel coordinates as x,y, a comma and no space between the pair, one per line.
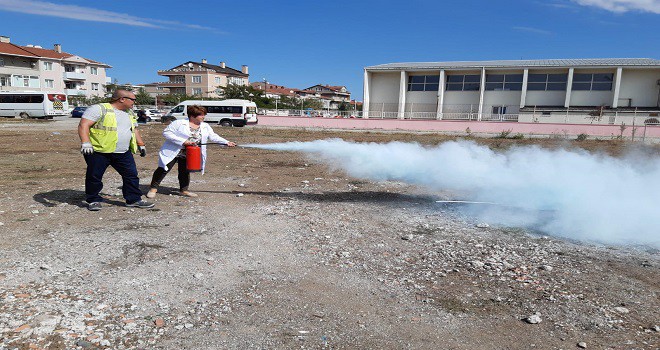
177,133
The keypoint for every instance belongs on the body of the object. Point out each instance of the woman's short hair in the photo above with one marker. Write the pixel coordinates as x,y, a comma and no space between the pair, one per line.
196,110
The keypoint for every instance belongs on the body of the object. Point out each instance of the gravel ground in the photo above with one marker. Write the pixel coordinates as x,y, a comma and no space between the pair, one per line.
281,252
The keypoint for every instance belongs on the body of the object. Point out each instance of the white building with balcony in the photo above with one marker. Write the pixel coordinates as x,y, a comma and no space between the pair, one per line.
32,67
580,91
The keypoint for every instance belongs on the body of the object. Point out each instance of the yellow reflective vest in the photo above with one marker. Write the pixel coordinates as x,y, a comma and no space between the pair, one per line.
103,134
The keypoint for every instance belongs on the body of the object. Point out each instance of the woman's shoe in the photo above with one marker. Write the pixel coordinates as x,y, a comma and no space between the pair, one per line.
152,193
188,194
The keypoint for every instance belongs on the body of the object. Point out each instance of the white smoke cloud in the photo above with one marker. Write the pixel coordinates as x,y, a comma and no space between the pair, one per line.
569,193
652,6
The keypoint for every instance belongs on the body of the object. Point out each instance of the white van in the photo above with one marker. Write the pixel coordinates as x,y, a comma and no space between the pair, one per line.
225,113
32,104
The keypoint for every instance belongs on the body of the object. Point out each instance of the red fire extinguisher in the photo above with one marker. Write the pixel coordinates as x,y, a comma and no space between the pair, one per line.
194,158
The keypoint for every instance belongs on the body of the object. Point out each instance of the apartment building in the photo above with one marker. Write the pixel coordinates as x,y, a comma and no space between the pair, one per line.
32,67
200,78
274,90
332,96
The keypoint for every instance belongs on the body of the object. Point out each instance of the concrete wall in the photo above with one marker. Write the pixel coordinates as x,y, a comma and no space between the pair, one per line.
385,87
55,75
650,133
459,100
545,98
96,79
641,86
501,98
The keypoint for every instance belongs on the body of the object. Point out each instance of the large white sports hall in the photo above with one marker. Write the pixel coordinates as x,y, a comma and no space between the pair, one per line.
576,91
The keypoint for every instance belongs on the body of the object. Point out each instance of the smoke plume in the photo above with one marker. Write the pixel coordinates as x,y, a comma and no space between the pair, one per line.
569,193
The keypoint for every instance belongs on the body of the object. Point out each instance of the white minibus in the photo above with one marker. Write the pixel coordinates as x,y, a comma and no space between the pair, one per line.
32,104
225,113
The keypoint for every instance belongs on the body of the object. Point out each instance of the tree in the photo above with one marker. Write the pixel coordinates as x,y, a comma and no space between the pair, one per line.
312,103
243,92
143,98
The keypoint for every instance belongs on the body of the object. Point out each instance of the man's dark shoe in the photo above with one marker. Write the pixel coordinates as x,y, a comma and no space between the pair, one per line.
141,204
94,206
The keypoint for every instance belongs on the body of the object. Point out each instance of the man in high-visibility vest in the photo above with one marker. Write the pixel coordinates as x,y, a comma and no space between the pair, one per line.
109,136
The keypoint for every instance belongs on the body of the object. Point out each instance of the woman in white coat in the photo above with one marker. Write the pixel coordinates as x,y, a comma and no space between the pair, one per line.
178,135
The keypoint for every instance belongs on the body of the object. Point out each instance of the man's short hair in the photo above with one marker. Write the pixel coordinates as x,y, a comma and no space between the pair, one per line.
118,94
196,110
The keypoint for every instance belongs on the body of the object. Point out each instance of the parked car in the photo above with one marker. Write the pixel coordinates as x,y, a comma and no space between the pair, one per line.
77,112
154,114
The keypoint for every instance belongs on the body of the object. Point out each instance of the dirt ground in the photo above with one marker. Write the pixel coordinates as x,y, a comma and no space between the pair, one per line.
280,252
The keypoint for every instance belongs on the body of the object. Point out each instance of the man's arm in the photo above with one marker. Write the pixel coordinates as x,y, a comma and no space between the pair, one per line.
138,138
83,129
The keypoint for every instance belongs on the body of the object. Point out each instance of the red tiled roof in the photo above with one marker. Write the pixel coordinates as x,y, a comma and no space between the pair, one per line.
11,49
37,52
329,87
46,53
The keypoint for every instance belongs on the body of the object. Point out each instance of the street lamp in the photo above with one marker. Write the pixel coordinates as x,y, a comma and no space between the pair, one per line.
265,93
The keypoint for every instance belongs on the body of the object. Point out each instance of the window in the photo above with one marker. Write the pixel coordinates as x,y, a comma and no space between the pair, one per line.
5,81
48,65
94,71
499,110
179,79
593,82
224,109
547,82
177,109
197,91
423,82
196,78
26,81
218,80
463,82
2,62
95,86
49,83
236,81
501,82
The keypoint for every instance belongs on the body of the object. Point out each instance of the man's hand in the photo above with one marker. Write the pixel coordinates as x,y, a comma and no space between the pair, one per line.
86,148
143,151
231,144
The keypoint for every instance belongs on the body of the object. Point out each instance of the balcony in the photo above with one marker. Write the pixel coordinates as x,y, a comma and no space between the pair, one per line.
74,76
168,84
75,92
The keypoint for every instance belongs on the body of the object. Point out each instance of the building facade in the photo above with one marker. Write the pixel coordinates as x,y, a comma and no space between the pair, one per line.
578,91
333,96
32,67
201,78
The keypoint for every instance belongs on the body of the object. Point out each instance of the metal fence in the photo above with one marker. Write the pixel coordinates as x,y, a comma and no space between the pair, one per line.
513,113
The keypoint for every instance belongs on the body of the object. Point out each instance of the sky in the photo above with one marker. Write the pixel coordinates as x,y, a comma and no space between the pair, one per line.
303,43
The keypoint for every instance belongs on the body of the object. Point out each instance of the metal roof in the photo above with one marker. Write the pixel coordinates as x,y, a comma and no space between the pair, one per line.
549,63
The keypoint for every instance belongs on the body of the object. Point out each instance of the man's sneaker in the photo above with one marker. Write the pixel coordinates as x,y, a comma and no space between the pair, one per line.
94,206
141,204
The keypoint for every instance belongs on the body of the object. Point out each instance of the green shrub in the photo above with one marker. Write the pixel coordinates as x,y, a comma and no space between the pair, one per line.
504,134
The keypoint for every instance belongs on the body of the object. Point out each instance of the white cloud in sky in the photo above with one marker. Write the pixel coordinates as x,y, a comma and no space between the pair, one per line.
82,13
533,30
621,6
